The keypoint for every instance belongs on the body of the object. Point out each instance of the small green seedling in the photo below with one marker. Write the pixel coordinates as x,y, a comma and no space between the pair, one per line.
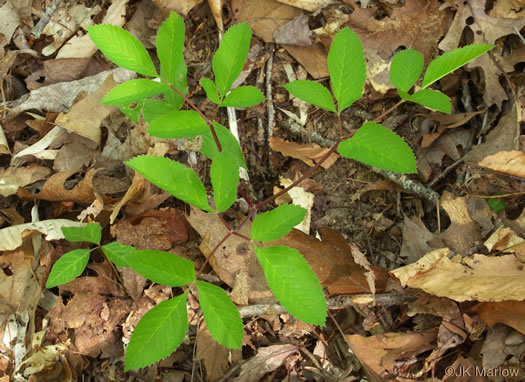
289,276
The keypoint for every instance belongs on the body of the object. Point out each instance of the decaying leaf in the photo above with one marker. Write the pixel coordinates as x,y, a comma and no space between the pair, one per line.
268,359
13,178
481,278
308,153
507,162
11,237
509,313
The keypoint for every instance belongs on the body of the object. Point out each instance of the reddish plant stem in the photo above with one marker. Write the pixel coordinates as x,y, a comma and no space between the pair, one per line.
226,237
234,233
245,197
208,121
225,223
388,111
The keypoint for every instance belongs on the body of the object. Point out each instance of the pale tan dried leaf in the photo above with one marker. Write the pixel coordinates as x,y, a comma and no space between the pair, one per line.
507,162
510,313
13,178
308,5
361,260
301,198
267,360
305,152
182,7
481,278
11,237
216,11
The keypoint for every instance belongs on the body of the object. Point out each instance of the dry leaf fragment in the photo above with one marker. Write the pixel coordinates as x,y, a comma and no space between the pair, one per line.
182,7
507,162
481,278
510,313
267,360
13,178
308,5
11,237
305,152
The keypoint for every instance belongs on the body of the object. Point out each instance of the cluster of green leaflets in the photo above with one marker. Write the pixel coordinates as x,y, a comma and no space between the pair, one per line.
289,276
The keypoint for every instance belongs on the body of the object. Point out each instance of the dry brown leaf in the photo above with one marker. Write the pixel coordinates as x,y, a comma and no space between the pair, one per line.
484,29
270,15
308,5
13,178
379,353
216,357
332,261
463,234
232,258
507,162
416,238
294,32
85,116
11,237
510,313
481,278
268,359
216,11
305,152
182,7
381,38
53,189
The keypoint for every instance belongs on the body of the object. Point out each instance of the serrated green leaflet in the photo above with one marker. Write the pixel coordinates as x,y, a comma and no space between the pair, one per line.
117,253
181,84
68,267
178,124
211,91
347,67
293,283
243,96
431,99
172,177
277,223
154,108
162,267
158,333
377,146
131,110
406,68
170,45
230,57
228,143
450,61
134,90
221,315
91,233
224,174
122,48
312,92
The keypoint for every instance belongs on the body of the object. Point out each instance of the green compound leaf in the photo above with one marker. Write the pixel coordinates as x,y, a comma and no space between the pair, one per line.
158,333
211,91
68,267
227,141
134,90
178,124
173,177
122,48
224,174
312,92
221,315
118,253
277,223
244,96
91,233
406,68
154,108
231,55
162,267
450,61
170,45
293,283
377,146
431,99
347,67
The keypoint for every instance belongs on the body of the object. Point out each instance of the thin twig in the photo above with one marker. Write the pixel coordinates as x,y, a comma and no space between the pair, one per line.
269,98
46,16
338,302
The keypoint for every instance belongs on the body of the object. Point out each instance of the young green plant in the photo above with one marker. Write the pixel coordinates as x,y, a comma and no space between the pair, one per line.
288,275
